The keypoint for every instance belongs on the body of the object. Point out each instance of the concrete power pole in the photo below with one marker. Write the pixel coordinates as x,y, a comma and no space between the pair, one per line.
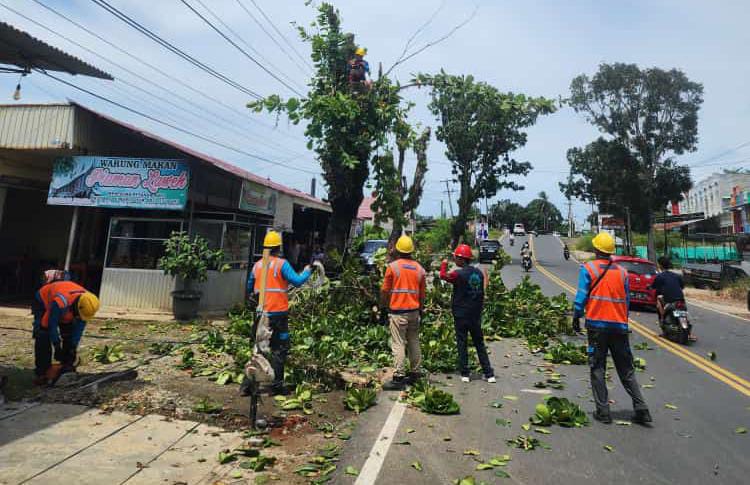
449,191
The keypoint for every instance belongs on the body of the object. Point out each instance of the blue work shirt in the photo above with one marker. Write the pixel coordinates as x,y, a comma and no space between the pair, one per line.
288,273
579,306
53,323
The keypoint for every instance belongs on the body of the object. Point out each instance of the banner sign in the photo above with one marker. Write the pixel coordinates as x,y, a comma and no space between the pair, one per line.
660,219
608,222
140,183
257,198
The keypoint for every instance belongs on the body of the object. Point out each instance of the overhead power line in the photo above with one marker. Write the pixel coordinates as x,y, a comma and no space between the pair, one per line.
247,44
179,81
174,49
268,34
175,127
283,37
228,124
727,152
243,51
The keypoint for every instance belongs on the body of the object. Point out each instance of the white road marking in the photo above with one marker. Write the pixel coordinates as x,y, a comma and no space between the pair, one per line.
374,463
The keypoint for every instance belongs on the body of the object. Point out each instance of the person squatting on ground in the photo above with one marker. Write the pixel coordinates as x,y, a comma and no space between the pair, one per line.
603,295
404,288
61,309
467,301
279,276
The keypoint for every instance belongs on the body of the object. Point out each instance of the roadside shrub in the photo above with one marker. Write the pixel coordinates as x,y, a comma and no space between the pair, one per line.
736,290
584,243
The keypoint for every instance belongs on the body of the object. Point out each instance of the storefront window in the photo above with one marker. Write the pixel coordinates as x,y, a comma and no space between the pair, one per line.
138,243
211,231
237,245
260,233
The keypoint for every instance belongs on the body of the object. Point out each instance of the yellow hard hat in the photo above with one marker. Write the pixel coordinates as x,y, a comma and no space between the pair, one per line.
405,245
88,305
272,240
360,51
604,242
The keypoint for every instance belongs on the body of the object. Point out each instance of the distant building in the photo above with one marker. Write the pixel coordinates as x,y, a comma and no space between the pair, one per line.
712,196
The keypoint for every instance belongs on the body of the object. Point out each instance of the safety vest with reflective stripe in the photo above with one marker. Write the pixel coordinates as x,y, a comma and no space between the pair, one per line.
408,277
62,293
607,306
277,286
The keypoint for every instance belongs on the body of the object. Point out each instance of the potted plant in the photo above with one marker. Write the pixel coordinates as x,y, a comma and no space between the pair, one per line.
189,261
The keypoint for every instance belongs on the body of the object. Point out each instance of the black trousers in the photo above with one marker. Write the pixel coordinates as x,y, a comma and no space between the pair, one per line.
43,350
280,344
618,344
465,325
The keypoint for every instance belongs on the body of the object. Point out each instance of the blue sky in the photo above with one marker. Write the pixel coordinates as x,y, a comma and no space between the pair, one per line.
521,46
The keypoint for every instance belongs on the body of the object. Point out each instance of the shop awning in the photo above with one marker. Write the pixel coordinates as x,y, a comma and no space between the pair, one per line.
17,48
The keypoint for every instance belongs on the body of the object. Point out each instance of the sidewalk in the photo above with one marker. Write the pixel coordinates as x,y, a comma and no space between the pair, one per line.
71,444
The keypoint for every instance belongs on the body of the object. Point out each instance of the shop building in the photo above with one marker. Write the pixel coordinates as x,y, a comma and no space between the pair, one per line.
57,160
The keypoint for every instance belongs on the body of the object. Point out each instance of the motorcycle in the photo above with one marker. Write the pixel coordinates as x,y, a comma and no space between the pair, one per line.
675,325
512,241
526,263
566,253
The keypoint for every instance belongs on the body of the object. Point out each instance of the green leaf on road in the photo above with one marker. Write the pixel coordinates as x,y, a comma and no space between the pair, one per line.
417,466
511,398
622,422
647,386
484,466
741,430
501,474
402,443
496,404
640,363
350,470
471,452
542,430
711,355
502,422
236,474
468,480
500,460
410,430
226,457
526,426
609,448
670,406
446,438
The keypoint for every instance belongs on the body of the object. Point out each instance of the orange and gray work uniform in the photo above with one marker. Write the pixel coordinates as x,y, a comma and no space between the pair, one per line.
56,324
405,281
606,309
279,276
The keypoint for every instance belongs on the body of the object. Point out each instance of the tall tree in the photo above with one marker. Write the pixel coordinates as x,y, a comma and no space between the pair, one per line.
480,127
346,123
541,214
507,213
607,174
653,113
395,199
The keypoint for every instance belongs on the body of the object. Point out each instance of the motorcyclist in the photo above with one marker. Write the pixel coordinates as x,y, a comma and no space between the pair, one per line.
566,252
512,239
668,286
525,250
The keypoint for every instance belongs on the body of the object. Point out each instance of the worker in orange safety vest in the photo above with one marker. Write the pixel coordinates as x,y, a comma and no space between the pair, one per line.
603,296
61,310
279,276
403,290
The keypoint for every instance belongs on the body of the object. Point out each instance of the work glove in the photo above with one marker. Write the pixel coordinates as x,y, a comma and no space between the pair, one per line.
577,324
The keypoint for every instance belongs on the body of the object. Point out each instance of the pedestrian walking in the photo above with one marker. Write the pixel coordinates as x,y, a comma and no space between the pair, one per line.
603,296
279,275
469,283
404,291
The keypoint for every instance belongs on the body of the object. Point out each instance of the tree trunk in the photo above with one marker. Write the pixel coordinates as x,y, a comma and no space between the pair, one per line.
340,224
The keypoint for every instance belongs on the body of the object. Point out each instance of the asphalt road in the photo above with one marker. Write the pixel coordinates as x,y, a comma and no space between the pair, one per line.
694,443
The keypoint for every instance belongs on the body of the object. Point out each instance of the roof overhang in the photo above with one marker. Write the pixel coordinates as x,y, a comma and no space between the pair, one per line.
17,48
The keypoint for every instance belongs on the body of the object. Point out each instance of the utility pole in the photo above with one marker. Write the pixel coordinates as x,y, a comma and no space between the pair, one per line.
570,208
442,211
449,191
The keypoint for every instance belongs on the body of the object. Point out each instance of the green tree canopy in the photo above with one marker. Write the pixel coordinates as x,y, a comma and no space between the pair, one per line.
345,124
480,127
652,114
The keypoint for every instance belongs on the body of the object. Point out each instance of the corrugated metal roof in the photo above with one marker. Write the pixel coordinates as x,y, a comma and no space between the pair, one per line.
39,127
20,49
226,166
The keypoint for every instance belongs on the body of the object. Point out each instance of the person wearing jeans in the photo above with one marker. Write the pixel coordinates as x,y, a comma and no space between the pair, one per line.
467,301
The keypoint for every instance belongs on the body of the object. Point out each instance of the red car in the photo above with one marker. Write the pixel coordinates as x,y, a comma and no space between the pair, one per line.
641,273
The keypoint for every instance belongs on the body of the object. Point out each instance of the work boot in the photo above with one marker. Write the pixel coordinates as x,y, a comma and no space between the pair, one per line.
281,390
642,416
396,384
603,417
414,377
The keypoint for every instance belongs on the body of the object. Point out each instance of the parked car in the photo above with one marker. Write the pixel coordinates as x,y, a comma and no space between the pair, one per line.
489,249
369,249
519,230
641,274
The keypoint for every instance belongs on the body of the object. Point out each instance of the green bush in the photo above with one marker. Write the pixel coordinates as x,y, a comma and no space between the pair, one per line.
190,259
585,243
737,290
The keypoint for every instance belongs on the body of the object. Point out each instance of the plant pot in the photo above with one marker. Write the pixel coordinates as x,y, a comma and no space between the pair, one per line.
185,304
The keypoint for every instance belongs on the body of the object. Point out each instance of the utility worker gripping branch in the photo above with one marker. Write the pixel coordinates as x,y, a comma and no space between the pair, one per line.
358,69
279,276
61,311
469,283
403,288
603,295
